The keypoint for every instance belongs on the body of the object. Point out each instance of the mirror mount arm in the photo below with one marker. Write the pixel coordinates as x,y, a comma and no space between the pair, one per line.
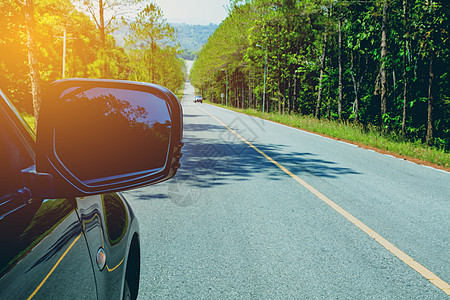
39,184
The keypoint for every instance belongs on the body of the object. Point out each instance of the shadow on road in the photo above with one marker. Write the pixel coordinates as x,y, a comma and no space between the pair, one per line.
207,162
224,159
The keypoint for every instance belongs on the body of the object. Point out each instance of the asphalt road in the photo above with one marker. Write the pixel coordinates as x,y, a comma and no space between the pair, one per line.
234,225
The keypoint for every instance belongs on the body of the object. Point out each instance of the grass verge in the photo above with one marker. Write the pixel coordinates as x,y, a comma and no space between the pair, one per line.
364,137
30,120
349,132
180,92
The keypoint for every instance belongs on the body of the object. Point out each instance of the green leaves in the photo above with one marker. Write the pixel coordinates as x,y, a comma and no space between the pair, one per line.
86,54
291,34
153,54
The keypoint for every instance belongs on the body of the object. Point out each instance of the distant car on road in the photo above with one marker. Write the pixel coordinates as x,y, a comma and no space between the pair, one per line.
198,99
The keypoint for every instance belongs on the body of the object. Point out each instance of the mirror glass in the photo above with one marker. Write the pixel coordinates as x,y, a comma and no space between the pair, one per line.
100,125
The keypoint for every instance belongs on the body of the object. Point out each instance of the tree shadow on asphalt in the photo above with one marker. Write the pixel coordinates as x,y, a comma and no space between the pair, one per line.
210,162
224,159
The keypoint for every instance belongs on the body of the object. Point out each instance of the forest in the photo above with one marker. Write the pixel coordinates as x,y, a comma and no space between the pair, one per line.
376,63
192,38
45,40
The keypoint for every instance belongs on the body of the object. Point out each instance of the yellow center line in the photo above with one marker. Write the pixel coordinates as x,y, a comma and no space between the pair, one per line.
434,279
110,270
54,267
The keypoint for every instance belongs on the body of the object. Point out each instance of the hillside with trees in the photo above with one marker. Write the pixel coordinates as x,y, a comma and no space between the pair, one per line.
32,43
382,64
191,38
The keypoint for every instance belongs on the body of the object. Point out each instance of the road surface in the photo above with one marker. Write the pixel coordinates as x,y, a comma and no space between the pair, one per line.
260,210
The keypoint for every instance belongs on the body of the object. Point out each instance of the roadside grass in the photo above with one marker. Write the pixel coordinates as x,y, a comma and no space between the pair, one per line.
346,131
180,92
363,136
30,120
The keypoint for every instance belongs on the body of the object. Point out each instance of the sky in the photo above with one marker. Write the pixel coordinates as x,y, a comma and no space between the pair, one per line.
196,12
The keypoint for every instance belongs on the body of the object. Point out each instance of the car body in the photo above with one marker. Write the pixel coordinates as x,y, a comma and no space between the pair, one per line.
63,236
198,98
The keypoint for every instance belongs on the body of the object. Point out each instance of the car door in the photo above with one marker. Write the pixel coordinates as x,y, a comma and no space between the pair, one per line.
43,251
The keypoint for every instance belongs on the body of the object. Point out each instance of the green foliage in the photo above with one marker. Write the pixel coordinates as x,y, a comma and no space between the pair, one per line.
192,37
13,55
301,38
155,59
87,56
52,17
150,29
363,135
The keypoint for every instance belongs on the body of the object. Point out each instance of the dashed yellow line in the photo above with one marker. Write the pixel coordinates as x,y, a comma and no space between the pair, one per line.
54,267
434,279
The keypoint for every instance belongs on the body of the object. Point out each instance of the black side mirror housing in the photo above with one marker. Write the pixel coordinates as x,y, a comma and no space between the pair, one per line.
96,136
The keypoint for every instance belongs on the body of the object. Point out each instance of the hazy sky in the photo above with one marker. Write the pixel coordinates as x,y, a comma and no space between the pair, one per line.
200,12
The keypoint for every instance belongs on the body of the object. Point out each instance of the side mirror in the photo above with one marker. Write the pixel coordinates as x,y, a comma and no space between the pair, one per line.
96,136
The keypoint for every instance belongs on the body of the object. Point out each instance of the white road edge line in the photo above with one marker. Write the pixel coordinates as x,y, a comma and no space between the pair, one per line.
430,276
318,135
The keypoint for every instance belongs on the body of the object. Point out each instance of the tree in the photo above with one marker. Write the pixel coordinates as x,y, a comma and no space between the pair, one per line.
322,70
405,77
32,57
340,69
383,78
322,51
432,34
153,57
34,26
104,13
151,30
14,69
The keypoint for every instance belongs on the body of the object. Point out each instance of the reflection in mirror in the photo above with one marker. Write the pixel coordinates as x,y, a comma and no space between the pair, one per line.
142,120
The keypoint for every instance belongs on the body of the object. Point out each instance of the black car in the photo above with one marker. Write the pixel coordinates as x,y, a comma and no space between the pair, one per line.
65,232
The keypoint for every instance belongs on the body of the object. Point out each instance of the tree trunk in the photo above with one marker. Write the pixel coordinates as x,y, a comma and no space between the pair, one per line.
279,91
236,92
355,90
356,86
243,92
356,107
104,66
102,23
383,61
322,67
319,95
289,96
283,96
249,89
32,59
328,106
405,78
394,82
294,100
340,70
430,102
150,72
151,60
